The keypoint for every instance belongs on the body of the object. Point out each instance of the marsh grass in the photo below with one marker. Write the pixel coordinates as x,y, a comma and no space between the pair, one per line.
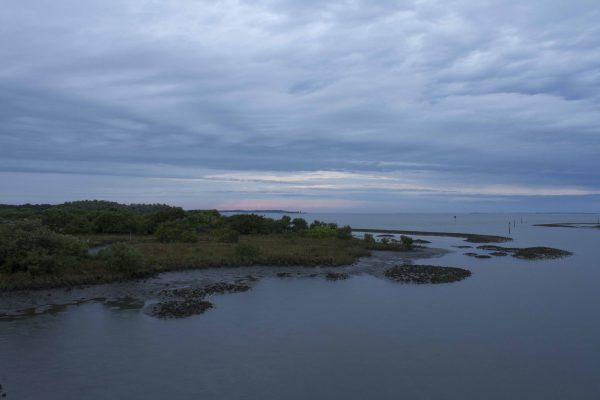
275,249
271,250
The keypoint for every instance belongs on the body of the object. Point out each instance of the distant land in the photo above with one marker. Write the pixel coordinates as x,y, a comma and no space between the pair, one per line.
262,211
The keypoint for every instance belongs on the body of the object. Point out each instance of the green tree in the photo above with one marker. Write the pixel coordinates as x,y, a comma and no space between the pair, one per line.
299,224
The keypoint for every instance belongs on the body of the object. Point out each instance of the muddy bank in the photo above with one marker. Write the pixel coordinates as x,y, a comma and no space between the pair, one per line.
422,274
148,292
468,237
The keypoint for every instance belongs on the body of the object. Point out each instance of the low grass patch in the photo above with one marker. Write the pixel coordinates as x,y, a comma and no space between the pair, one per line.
270,250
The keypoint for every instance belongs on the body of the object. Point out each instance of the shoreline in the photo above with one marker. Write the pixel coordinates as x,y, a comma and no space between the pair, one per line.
144,293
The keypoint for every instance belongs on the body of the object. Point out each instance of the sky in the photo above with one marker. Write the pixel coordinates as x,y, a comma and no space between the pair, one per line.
351,106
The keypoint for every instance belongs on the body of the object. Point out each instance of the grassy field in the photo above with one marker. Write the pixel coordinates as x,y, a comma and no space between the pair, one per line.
159,257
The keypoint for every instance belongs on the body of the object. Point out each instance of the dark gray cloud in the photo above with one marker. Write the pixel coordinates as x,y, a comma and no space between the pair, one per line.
407,100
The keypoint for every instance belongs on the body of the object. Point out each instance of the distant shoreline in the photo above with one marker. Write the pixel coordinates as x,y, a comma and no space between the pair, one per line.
262,211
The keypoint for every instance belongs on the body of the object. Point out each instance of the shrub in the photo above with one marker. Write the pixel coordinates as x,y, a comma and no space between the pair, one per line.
247,252
321,232
28,246
121,257
181,230
406,241
369,238
344,232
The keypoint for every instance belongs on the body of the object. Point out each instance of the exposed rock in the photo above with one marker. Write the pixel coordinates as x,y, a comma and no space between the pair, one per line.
528,253
540,253
183,302
336,276
494,248
409,273
498,253
284,274
181,308
421,241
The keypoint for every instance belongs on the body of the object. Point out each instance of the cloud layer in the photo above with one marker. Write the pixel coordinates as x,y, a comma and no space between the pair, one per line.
349,104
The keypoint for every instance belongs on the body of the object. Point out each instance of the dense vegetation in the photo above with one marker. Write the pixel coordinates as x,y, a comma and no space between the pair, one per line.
47,245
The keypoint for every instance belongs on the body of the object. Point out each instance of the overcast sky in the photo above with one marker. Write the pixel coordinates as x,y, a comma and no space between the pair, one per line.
357,105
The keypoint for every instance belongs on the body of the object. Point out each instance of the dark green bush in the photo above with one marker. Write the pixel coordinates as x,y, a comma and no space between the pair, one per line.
181,230
344,232
299,224
369,238
406,241
28,246
121,257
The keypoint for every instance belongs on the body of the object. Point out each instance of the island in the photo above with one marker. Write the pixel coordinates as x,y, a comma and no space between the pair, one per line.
91,241
66,254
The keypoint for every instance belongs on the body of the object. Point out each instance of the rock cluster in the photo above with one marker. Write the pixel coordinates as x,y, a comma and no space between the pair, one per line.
181,308
528,253
184,302
409,273
336,276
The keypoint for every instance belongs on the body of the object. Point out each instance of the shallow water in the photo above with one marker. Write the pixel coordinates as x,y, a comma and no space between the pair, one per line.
514,329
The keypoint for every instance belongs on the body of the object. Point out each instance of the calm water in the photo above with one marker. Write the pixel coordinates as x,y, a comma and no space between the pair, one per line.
515,329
